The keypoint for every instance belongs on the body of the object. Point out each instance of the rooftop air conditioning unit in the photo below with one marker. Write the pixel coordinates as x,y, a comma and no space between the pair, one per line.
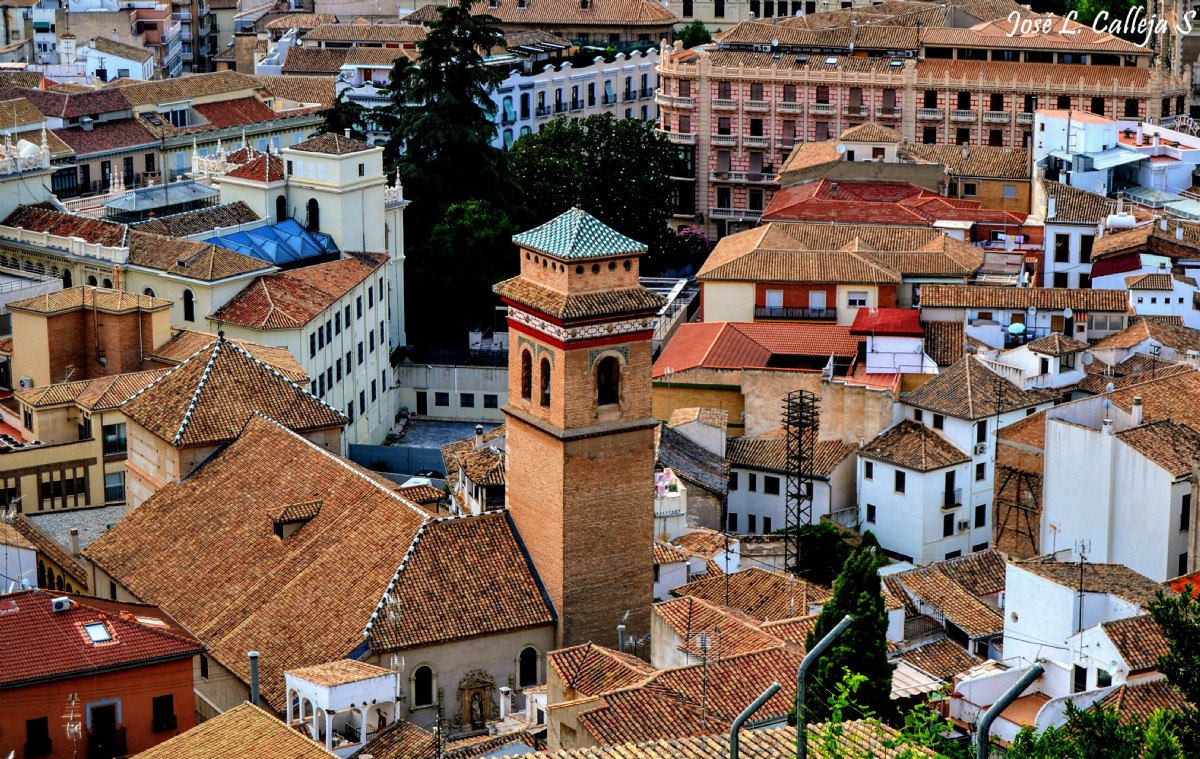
964,524
60,604
980,449
26,383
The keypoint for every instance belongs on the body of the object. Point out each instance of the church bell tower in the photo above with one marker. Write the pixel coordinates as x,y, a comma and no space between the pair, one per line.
580,440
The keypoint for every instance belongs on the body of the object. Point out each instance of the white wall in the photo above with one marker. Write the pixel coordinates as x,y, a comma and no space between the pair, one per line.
1074,267
889,355
670,576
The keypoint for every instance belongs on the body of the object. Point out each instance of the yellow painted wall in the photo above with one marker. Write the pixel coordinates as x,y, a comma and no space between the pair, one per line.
728,301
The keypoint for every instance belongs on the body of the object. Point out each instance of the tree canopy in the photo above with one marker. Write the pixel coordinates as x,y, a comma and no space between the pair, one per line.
342,114
695,33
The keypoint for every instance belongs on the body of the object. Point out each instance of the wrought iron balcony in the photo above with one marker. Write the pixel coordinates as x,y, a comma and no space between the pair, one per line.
779,312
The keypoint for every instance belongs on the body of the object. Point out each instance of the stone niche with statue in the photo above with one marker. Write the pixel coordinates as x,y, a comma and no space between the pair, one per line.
477,703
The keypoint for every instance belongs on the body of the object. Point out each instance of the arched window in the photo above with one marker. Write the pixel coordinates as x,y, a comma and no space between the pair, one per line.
189,306
91,281
54,272
280,209
67,278
545,382
526,375
40,268
608,381
107,284
314,215
423,686
148,291
28,265
528,666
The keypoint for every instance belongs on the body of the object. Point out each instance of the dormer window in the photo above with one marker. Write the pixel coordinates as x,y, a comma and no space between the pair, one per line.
585,4
493,3
522,4
97,632
292,517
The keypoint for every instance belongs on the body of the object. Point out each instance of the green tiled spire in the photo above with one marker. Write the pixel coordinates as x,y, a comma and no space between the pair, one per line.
576,234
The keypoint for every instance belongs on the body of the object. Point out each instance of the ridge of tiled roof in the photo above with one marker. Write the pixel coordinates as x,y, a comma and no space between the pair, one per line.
711,417
581,305
1171,445
590,669
969,390
121,50
186,87
936,590
1138,701
770,453
870,132
244,731
1056,344
50,548
88,296
306,90
1139,640
201,261
264,168
548,12
942,658
331,144
984,161
185,343
1174,336
177,408
914,446
760,594
1113,579
334,32
691,461
314,60
704,542
42,217
666,553
1075,206
196,222
742,345
399,740
690,617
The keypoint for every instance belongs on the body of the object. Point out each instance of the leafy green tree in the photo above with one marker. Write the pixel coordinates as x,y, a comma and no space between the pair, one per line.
1094,733
1161,740
1179,618
860,649
618,170
342,114
695,33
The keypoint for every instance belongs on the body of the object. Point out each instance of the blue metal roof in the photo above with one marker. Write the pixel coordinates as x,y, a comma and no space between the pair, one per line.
279,244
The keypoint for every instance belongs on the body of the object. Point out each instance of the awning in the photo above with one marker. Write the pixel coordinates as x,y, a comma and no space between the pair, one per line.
1115,157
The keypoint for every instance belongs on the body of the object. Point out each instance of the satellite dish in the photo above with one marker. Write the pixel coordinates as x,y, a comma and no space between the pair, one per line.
774,43
841,148
1087,358
1016,328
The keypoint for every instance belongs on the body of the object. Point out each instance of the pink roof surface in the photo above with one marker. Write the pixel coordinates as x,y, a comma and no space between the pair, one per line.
737,345
879,203
893,322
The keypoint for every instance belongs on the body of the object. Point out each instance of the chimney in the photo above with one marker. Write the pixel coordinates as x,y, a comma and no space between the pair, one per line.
1051,207
1108,426
833,188
347,133
74,541
1137,410
505,702
254,677
1139,135
478,436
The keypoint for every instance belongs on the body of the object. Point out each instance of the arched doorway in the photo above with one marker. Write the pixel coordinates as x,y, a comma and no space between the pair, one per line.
314,215
66,278
189,306
280,209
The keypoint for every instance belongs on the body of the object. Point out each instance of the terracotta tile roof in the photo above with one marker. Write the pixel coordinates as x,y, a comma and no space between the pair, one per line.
856,738
1175,397
484,560
1075,206
577,235
482,466
235,112
983,161
314,60
255,581
302,21
1140,700
770,453
307,90
1157,281
60,104
794,630
1139,640
812,155
938,593
208,398
401,740
969,390
378,57
740,345
942,658
1113,579
365,33
48,547
1056,344
758,593
840,267
1171,445
85,296
691,461
107,137
879,202
340,672
185,343
871,132
331,144
200,261
712,417
914,446
732,682
290,299
51,395
485,746
665,553
622,13
981,573
690,618
450,451
11,536
199,221
1180,338
41,644
244,731
522,292
104,393
121,50
704,542
265,168
27,79
422,494
936,72
41,217
590,670
18,112
1065,34
187,87
944,341
58,148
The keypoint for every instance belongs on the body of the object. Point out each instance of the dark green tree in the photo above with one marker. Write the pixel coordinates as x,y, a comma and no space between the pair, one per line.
1179,618
618,170
860,649
1094,733
344,114
695,33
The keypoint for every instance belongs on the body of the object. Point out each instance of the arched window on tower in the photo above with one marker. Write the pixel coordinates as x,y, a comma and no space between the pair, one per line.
528,674
545,382
66,278
148,291
280,209
526,375
314,215
189,306
423,686
608,381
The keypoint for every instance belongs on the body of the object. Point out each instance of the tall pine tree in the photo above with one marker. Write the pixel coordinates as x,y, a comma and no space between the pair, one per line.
861,648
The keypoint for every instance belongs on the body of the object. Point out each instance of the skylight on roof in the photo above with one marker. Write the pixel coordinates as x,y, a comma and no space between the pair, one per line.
97,632
831,60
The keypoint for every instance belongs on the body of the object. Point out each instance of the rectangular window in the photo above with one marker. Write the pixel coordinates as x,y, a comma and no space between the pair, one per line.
1062,249
771,485
868,470
1010,192
441,399
947,525
347,316
899,481
203,666
1085,248
751,523
968,189
733,481
466,400
490,400
766,525
1185,513
981,515
163,709
980,472
981,431
918,415
1060,279
1182,568
349,363
362,401
358,305
871,513
312,345
360,352
337,323
371,340
350,411
1131,107
752,482
939,422
375,392
338,370
856,299
329,378
371,297
37,736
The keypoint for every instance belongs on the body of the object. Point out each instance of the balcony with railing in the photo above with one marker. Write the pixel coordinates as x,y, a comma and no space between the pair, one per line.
888,112
997,117
609,99
756,141
576,105
542,110
560,107
724,104
806,314
1025,117
789,107
734,213
961,115
647,92
115,448
726,140
822,109
114,493
679,138
749,177
860,111
951,498
630,95
758,106
674,101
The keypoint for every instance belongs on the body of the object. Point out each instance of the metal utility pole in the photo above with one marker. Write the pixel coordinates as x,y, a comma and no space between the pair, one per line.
801,418
801,673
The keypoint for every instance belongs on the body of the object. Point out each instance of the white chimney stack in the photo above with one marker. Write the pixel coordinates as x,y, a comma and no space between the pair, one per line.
1051,207
74,541
1137,411
1179,232
478,436
505,702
